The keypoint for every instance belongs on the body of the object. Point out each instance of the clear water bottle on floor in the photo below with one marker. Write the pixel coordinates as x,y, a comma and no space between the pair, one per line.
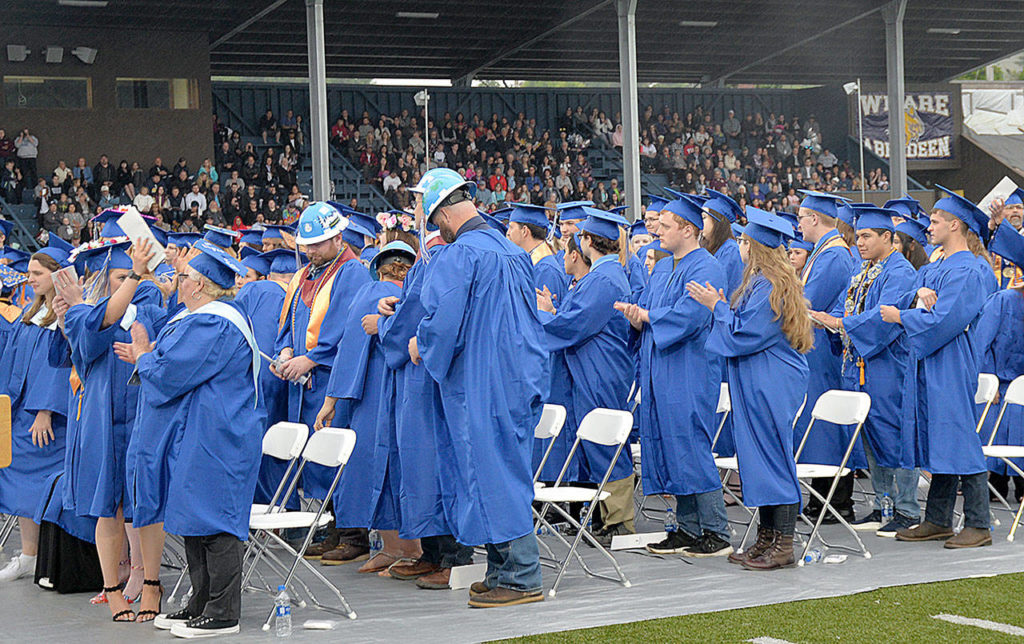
887,509
671,522
589,519
282,613
376,543
813,556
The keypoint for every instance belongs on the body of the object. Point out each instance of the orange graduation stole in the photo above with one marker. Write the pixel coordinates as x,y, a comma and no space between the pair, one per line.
10,312
540,252
316,294
835,242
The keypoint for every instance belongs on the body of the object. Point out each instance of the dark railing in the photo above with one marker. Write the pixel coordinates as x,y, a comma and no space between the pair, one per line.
23,234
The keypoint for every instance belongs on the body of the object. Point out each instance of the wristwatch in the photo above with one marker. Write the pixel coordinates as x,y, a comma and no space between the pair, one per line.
134,276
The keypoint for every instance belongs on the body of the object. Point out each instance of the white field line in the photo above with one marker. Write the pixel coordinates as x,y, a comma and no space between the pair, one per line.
769,640
981,623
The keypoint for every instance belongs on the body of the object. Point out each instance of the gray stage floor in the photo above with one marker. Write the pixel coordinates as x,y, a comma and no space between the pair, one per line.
391,610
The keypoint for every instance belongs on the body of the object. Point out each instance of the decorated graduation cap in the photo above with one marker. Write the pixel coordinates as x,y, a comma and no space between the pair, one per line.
94,259
602,223
283,260
766,228
57,249
822,202
906,207
638,227
222,237
875,217
6,227
276,231
252,236
915,229
10,278
216,264
688,208
396,251
1015,198
573,210
721,205
255,260
656,203
527,213
183,240
964,210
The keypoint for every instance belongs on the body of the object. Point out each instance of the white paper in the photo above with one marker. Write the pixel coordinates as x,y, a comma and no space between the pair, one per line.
133,225
1001,190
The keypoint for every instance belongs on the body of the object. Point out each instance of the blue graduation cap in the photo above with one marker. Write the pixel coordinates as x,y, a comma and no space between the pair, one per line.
964,210
252,236
366,221
354,234
57,249
875,217
657,204
527,213
846,213
7,226
792,219
502,214
112,255
183,240
20,265
915,229
766,228
906,207
822,202
13,255
638,227
801,244
253,259
392,252
160,234
720,204
688,208
602,223
675,193
10,278
737,229
276,231
573,210
619,210
283,260
215,263
493,222
1016,197
222,237
109,219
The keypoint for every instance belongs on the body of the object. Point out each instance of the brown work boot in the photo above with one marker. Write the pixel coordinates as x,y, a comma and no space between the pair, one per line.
413,570
317,550
345,553
926,531
504,597
436,580
478,588
765,539
970,538
778,555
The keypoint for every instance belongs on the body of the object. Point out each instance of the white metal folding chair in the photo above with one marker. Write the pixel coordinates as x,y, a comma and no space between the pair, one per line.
610,427
1014,396
724,408
988,389
329,447
841,408
552,419
283,441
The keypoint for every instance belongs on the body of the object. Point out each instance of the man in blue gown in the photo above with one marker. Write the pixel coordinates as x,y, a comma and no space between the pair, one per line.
875,362
942,375
825,276
481,340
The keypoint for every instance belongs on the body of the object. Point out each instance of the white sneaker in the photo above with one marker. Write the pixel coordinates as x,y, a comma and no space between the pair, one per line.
19,566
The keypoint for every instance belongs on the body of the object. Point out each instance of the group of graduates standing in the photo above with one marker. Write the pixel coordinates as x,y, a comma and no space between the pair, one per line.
141,392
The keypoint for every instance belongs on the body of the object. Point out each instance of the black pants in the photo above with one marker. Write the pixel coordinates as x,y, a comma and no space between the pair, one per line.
842,500
215,569
445,551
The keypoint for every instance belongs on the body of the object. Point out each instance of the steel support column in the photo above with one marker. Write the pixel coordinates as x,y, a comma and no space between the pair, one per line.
318,100
630,110
893,14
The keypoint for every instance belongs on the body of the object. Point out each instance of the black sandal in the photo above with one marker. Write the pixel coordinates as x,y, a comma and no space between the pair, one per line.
151,614
116,617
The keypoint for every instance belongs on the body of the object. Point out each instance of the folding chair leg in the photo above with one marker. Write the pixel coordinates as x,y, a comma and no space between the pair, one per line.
1000,497
826,506
316,573
1016,517
177,584
7,529
755,515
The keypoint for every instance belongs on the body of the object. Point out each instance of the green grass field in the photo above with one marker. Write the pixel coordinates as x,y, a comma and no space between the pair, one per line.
898,614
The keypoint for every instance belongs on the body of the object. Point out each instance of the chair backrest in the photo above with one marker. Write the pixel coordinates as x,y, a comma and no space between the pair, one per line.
606,426
724,402
988,386
551,421
842,407
330,447
1015,392
285,440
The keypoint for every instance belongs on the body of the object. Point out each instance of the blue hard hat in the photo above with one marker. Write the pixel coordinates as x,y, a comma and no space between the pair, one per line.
319,222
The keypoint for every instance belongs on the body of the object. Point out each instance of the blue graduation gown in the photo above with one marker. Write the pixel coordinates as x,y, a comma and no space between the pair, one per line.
305,401
104,413
50,508
594,337
195,452
33,386
550,272
883,347
636,271
999,345
482,341
357,377
942,372
262,301
410,409
826,285
767,382
728,255
677,421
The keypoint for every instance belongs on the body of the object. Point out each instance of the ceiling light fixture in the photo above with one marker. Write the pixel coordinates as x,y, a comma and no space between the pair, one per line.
950,31
698,23
83,3
423,15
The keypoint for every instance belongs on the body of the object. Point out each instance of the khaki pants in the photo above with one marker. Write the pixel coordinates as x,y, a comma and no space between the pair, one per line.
619,507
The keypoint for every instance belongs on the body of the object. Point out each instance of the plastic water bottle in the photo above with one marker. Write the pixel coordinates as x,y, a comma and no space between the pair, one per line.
283,613
887,509
583,515
671,522
813,556
376,543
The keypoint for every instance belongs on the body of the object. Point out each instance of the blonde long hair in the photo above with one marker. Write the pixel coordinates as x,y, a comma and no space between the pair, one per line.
41,300
787,297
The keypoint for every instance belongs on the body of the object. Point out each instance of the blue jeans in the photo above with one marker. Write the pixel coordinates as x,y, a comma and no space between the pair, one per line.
899,484
704,512
514,564
942,500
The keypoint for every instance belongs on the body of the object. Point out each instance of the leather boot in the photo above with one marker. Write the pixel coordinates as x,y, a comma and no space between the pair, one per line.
765,539
779,555
317,550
